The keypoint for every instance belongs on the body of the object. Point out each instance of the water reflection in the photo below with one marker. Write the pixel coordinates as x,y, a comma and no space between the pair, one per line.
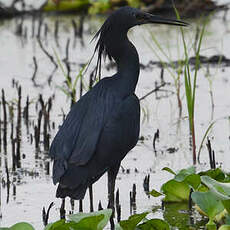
179,216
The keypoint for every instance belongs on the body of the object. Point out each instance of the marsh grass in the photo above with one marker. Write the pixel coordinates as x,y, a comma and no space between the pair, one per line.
190,82
174,70
182,69
69,88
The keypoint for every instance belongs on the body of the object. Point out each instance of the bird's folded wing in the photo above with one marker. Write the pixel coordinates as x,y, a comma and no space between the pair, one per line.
63,143
77,138
93,122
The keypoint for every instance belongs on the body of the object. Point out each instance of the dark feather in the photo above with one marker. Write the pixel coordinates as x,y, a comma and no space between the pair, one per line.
100,47
77,138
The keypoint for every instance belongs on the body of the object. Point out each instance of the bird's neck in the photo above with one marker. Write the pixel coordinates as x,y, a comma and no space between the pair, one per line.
126,57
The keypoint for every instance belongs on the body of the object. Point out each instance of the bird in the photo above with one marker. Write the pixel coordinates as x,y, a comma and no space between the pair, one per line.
104,124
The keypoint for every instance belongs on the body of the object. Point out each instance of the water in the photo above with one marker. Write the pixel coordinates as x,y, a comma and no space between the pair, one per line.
31,186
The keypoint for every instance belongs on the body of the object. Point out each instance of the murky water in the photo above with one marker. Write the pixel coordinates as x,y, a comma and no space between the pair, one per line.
30,186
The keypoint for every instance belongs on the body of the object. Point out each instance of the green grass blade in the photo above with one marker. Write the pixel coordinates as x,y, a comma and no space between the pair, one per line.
69,84
165,66
197,64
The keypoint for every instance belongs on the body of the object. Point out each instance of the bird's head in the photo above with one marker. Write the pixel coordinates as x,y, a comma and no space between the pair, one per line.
128,17
118,24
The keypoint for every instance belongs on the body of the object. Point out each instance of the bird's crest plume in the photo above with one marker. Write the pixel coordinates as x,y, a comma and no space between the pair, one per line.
100,47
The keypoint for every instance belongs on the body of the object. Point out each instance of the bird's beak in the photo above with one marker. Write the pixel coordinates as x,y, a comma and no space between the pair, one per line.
146,18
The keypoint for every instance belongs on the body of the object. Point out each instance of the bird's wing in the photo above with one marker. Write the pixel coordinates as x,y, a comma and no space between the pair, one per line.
99,110
121,132
77,138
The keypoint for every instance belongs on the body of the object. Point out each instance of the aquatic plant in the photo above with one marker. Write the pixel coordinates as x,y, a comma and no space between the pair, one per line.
69,88
209,190
99,6
84,221
183,67
211,197
97,221
174,70
140,222
20,226
65,5
190,87
178,188
216,201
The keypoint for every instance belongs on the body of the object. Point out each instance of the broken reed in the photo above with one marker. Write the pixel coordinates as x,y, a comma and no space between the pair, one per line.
44,113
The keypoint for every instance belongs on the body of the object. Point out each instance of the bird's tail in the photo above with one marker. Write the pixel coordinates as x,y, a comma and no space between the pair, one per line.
74,193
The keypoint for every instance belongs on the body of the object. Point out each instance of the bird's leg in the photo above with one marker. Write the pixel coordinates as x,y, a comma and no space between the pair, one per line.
80,206
112,174
91,197
72,205
62,209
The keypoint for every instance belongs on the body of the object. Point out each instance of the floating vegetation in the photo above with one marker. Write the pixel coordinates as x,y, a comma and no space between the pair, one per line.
210,196
194,9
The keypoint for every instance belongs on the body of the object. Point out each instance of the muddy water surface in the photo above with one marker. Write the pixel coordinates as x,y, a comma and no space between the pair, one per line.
30,186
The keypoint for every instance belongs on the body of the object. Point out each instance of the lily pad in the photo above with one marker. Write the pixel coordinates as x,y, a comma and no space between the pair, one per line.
224,227
216,174
22,226
90,218
222,190
88,223
175,191
183,173
132,222
58,225
208,203
193,180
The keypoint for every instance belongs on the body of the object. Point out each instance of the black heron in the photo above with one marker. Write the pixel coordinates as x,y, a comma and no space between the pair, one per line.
103,126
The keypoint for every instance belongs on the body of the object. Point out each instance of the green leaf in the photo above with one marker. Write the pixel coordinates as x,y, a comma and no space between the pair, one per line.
22,226
88,223
211,225
154,224
193,180
175,191
99,6
106,214
216,174
58,225
208,203
226,204
224,227
133,221
184,173
168,170
48,226
134,3
155,193
118,227
221,190
65,5
227,220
